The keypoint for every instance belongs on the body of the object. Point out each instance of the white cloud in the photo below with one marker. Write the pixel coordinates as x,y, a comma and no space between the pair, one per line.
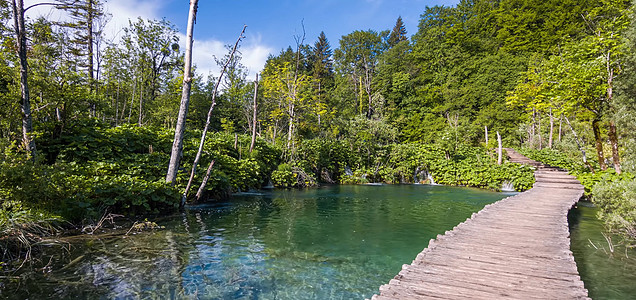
122,11
253,53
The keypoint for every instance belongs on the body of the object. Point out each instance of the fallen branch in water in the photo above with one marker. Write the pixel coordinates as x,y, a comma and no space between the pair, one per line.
106,217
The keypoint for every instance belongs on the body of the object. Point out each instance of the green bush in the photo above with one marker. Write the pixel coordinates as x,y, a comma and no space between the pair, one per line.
590,180
94,168
467,166
556,158
616,201
283,176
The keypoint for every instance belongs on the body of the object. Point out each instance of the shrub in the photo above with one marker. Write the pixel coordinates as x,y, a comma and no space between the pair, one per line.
283,176
616,201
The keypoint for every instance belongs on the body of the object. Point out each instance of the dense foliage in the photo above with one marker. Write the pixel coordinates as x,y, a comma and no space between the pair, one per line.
616,198
379,107
121,169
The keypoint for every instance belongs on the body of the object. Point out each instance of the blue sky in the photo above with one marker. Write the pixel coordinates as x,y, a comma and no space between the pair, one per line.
272,25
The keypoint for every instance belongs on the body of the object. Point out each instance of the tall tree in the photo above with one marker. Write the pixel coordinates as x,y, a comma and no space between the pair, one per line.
177,145
398,34
357,57
322,71
25,104
86,15
155,47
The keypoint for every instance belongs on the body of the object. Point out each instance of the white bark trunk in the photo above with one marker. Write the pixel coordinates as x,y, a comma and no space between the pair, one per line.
177,145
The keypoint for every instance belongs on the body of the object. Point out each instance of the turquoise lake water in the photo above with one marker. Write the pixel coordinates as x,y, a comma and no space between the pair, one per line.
335,242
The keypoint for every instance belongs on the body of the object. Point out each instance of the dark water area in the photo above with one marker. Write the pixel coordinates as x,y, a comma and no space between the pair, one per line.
336,242
608,272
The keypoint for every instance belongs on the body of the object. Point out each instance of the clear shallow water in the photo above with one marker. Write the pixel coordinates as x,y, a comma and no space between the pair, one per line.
606,274
337,242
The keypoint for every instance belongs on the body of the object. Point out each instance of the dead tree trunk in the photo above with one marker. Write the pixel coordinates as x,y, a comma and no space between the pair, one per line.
499,150
25,102
207,124
204,182
177,144
486,131
254,114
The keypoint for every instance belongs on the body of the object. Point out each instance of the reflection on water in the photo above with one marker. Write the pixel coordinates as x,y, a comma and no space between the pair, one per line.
338,242
606,274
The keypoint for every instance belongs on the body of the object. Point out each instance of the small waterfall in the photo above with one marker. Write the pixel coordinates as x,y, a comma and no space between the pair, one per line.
430,179
416,179
269,186
507,186
348,171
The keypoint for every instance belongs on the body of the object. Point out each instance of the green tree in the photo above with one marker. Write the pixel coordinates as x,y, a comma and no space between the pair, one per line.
357,58
156,57
323,73
398,34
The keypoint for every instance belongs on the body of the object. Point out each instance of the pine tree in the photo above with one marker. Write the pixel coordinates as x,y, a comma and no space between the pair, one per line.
85,15
323,57
322,70
398,33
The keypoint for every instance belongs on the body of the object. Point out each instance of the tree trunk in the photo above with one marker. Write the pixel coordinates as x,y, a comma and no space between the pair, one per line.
204,182
290,128
532,128
551,129
499,150
613,137
197,158
89,42
599,144
539,130
177,144
486,131
25,104
578,144
254,114
560,127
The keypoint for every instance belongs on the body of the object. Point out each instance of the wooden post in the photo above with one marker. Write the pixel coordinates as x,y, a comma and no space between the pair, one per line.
499,150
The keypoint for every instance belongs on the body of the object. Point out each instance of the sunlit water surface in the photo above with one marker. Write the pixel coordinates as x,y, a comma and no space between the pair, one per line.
336,242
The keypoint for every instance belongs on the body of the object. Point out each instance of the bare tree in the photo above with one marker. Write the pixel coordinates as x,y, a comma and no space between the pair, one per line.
177,145
207,126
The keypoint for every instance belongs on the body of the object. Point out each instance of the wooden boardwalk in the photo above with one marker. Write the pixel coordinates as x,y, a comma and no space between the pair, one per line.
516,248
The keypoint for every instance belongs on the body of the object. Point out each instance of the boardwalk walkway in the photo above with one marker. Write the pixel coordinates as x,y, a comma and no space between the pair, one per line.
516,248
